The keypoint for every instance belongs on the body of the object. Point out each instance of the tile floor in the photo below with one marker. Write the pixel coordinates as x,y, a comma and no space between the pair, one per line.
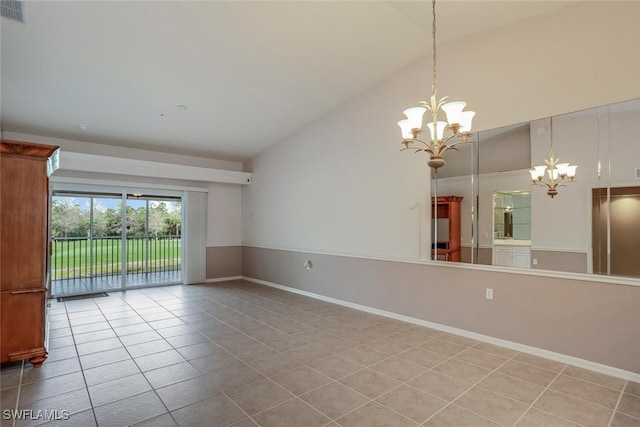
242,354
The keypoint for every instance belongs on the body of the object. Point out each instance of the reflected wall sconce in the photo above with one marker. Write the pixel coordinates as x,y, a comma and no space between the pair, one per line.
557,174
458,121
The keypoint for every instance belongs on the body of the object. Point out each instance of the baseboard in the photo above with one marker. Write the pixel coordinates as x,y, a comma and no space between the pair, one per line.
558,357
224,279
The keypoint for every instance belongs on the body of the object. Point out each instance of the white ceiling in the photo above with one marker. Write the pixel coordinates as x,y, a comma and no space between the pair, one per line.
250,73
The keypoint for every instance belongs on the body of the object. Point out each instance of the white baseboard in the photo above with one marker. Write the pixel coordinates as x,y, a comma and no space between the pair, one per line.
558,357
224,279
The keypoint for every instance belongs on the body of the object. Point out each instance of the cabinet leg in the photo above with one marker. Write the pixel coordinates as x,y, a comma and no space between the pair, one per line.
37,361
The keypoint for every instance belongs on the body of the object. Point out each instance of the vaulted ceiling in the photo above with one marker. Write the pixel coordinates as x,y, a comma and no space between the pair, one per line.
246,73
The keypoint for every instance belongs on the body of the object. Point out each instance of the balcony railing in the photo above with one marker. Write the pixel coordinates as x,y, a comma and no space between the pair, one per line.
83,257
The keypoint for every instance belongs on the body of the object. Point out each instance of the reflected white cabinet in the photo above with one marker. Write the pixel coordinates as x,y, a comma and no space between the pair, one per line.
512,256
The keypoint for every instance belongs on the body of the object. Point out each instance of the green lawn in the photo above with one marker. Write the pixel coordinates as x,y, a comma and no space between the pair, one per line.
72,258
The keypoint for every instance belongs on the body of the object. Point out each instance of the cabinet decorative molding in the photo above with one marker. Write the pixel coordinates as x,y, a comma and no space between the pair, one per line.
24,198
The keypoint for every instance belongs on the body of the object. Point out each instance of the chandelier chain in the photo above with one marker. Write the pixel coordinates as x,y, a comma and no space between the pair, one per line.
433,35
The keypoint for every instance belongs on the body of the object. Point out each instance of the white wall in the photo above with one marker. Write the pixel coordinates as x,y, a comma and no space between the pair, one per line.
340,185
224,207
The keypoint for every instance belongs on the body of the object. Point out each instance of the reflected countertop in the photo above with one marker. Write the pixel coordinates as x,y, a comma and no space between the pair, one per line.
511,242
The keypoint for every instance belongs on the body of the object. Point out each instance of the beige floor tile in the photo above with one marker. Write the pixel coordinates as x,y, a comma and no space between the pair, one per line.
158,360
585,390
630,405
364,355
462,370
51,387
374,415
104,357
495,349
537,418
370,383
185,393
632,388
549,365
140,337
148,347
62,353
283,341
236,375
129,411
389,346
576,410
423,357
527,372
201,349
108,392
73,403
48,369
186,339
94,336
447,348
172,374
10,376
520,390
309,353
458,339
110,372
337,344
214,362
412,403
81,419
334,399
301,380
497,408
273,363
258,396
336,367
400,369
164,420
213,412
595,377
480,358
440,385
293,412
621,420
455,416
410,337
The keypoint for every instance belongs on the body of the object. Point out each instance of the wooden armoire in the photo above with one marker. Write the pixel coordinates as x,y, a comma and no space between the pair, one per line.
449,208
24,199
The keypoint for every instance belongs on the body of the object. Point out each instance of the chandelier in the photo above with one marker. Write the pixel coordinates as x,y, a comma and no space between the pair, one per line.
557,173
458,122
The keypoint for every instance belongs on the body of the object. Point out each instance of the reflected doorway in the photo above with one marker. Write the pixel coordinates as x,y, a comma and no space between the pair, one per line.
616,231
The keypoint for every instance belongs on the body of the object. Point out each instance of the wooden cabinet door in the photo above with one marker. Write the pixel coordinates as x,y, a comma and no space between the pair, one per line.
23,325
23,228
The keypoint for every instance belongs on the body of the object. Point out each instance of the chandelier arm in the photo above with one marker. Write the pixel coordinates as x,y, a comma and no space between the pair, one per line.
426,144
459,142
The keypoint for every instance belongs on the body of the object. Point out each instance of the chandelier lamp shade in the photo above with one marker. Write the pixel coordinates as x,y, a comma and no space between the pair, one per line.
554,174
443,135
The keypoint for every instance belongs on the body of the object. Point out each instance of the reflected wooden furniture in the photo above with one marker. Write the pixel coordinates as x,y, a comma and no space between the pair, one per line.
24,198
449,208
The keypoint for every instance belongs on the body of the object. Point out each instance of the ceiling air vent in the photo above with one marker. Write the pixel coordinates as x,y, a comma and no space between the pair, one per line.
13,9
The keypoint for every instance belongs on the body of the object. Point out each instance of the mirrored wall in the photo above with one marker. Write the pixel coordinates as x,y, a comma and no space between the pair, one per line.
592,224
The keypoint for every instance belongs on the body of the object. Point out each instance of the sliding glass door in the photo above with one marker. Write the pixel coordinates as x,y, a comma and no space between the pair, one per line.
104,242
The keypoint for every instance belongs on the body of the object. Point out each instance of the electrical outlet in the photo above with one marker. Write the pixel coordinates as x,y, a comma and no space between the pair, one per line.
489,293
535,261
